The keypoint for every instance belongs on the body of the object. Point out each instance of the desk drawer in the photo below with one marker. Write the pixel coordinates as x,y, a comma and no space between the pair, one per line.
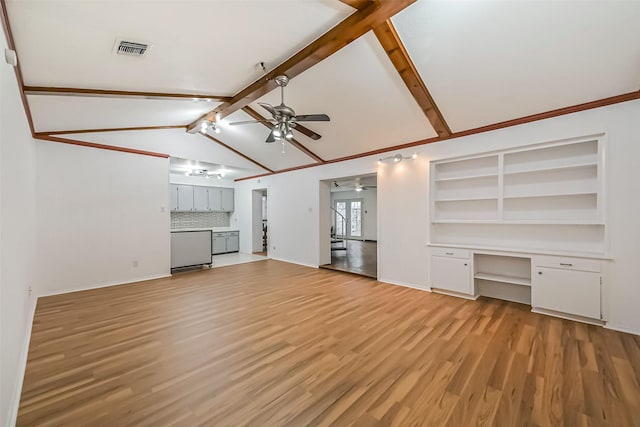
452,253
567,263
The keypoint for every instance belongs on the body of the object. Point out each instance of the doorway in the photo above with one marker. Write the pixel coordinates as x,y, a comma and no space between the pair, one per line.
351,215
259,222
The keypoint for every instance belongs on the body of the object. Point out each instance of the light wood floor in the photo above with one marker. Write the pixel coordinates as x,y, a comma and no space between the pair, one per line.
274,344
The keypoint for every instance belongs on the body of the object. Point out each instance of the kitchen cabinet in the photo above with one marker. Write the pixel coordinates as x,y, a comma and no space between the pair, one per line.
224,242
569,286
196,198
221,199
200,199
451,271
181,197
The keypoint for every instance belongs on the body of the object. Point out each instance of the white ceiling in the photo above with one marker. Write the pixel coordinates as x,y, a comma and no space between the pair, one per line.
368,103
350,183
69,42
176,143
53,112
484,62
490,61
181,166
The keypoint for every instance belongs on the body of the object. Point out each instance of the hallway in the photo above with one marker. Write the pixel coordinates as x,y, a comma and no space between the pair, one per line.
359,258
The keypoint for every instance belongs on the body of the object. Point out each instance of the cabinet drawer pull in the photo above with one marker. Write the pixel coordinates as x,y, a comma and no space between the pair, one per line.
539,272
565,264
465,264
448,253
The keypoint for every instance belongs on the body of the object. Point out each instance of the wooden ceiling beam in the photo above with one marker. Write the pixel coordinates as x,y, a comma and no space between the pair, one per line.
257,116
67,132
390,41
45,137
4,17
348,30
244,156
108,93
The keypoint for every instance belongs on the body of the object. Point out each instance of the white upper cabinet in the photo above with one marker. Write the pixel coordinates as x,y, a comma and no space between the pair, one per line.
196,198
185,197
200,199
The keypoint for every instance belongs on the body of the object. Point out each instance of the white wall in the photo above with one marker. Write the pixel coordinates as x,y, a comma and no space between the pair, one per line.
403,203
369,209
17,238
100,212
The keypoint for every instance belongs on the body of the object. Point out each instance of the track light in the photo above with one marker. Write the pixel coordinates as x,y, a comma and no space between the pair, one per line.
396,158
206,124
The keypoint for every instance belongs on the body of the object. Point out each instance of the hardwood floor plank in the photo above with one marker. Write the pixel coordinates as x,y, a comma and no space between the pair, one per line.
276,344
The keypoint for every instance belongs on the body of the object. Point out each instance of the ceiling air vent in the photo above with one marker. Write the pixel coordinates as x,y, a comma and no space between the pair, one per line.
130,48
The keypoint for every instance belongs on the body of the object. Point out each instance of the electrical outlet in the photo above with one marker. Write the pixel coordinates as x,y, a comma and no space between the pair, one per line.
30,290
274,247
135,263
162,208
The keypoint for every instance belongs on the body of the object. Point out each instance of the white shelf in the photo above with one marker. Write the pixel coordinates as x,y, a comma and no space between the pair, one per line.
546,198
554,168
460,178
466,199
519,222
531,196
523,281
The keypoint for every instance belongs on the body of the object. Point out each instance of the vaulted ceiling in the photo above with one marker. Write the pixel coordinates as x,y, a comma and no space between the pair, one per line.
388,73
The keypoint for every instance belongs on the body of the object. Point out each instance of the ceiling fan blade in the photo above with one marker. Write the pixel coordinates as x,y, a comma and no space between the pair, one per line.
271,138
308,132
246,122
267,107
312,118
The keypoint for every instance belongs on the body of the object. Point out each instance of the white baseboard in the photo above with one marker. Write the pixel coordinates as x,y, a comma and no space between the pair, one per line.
455,294
294,262
22,367
403,284
103,285
619,328
567,316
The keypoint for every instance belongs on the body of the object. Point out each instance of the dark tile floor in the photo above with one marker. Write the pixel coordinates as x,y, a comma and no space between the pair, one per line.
359,258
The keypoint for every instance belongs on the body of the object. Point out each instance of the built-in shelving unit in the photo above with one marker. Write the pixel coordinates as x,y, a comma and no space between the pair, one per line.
544,196
504,277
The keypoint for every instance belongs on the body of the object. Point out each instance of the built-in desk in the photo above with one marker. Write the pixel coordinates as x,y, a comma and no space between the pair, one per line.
562,286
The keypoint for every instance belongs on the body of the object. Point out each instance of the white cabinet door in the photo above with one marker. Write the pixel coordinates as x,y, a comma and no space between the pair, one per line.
233,242
219,243
215,199
567,291
227,199
173,188
185,197
451,274
200,199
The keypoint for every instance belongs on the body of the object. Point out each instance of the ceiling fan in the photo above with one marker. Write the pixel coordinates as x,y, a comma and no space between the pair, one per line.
357,186
284,118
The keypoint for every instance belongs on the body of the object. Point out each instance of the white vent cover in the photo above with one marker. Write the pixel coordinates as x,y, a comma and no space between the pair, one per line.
131,48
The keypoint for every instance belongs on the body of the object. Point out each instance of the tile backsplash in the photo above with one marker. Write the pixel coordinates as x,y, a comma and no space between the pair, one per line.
199,219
